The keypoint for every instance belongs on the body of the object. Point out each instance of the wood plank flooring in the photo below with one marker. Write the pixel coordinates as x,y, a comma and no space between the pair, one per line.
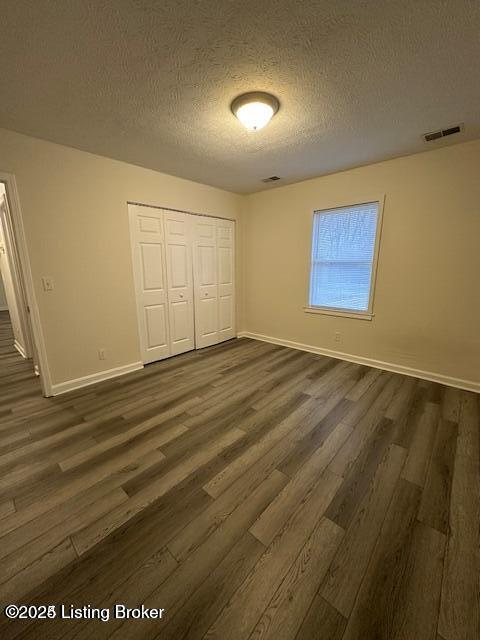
250,490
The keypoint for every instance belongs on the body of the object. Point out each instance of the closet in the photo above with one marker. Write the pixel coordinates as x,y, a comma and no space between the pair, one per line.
184,273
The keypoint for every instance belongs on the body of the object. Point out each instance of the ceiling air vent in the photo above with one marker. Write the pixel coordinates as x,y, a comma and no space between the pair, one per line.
270,179
442,133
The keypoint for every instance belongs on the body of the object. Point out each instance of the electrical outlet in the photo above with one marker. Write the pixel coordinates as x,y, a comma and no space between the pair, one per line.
102,354
338,336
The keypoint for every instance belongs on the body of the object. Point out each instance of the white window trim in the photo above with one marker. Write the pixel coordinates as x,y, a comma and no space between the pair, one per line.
344,313
349,313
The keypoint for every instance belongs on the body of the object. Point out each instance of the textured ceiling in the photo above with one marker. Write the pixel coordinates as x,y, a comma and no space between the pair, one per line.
150,82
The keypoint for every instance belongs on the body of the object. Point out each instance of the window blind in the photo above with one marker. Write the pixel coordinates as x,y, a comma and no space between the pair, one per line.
343,249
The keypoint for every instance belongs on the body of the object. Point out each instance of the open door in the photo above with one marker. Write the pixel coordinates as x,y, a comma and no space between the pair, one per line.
13,282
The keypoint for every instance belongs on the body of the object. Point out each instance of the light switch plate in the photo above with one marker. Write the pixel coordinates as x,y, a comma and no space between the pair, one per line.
47,282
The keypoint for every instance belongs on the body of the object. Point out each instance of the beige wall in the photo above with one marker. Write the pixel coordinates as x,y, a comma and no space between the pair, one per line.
427,303
74,206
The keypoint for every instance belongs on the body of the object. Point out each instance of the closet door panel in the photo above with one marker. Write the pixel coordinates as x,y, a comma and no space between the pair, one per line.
149,268
156,325
153,276
225,320
205,278
226,279
208,319
180,281
180,328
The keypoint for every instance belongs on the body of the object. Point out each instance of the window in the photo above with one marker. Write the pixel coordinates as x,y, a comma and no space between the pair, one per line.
344,251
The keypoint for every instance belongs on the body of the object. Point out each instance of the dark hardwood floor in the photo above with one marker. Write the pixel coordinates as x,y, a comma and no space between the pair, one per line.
251,491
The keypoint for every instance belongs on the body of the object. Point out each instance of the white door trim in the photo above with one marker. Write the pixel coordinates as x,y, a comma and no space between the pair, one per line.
16,219
191,213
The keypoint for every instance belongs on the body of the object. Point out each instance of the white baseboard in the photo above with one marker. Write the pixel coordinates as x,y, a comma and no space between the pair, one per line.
20,349
459,383
78,383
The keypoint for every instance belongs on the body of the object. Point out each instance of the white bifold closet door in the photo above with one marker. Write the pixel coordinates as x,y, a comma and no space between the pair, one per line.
214,292
226,279
178,241
162,267
183,268
150,274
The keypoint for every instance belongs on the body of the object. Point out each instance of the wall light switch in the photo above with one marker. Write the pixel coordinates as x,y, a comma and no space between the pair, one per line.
47,282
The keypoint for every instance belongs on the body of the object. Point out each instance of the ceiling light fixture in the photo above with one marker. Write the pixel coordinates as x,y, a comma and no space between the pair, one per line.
255,109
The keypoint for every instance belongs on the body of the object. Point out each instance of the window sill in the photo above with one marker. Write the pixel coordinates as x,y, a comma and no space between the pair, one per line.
339,312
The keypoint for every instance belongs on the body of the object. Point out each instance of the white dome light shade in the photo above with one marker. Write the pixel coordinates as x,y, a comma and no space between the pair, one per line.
256,109
254,115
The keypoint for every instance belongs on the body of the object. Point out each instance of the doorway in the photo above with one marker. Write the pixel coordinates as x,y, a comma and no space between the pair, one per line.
14,301
19,313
